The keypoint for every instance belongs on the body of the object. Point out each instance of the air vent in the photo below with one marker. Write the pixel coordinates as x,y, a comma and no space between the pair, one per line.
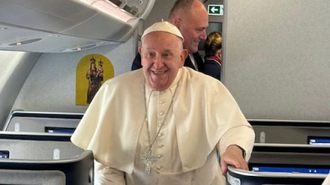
116,2
79,48
132,10
135,8
25,42
88,46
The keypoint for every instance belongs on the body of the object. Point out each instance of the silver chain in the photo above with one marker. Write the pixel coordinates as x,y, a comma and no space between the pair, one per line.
146,115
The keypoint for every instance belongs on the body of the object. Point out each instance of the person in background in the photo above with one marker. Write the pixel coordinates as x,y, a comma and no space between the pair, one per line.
212,47
163,124
191,18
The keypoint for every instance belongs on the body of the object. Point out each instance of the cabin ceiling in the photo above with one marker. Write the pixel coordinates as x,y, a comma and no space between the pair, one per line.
68,25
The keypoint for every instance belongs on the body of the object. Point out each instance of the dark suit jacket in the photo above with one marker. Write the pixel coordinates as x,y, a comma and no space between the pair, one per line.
213,68
198,59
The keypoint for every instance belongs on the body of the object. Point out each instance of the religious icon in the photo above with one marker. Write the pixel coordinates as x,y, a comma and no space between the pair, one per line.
95,78
97,70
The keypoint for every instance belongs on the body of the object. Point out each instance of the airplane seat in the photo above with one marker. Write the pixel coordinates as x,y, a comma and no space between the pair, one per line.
243,177
32,177
283,164
37,146
78,170
42,122
43,159
291,131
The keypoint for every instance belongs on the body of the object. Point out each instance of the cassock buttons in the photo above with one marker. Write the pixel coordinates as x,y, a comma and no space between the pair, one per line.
161,113
161,101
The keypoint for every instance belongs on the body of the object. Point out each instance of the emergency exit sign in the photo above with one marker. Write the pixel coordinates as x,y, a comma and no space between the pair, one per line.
215,9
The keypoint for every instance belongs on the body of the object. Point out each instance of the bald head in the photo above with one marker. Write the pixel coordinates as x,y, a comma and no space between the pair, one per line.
191,18
184,7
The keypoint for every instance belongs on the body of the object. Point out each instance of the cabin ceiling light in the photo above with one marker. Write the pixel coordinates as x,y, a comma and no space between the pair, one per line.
110,9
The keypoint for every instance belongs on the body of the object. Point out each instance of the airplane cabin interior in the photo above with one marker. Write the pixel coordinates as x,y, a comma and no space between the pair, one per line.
275,58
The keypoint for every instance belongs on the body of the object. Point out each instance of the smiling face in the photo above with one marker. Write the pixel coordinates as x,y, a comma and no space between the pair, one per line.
193,24
162,55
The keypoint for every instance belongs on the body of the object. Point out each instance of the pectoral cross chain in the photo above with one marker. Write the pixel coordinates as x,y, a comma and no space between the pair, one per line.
148,159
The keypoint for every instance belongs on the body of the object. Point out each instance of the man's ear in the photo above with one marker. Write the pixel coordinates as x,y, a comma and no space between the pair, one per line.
183,56
140,50
177,22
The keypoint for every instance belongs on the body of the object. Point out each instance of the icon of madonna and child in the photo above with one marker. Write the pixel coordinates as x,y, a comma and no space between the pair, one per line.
94,76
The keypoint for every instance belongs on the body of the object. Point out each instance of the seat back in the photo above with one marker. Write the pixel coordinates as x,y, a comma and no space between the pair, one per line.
243,177
290,131
284,164
38,146
42,122
78,170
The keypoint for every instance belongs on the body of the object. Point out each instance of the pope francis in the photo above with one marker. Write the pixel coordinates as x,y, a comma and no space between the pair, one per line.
164,124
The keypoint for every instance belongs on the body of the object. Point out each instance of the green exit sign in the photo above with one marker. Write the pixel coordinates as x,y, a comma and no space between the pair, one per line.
215,9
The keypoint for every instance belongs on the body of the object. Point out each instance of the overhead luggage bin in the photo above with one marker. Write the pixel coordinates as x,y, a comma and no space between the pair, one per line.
68,25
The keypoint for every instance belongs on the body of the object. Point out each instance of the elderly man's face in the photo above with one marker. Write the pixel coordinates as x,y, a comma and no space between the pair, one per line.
162,56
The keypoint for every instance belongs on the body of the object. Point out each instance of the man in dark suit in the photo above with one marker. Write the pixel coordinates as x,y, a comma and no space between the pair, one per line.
191,18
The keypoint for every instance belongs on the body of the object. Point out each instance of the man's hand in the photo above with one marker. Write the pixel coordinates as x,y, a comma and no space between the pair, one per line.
233,156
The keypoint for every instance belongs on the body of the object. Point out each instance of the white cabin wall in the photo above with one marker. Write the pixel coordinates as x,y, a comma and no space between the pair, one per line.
276,58
14,67
51,85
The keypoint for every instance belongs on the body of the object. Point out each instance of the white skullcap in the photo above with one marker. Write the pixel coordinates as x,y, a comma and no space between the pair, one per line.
163,26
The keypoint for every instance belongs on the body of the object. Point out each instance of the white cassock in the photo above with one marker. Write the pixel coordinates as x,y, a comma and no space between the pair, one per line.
327,180
203,119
